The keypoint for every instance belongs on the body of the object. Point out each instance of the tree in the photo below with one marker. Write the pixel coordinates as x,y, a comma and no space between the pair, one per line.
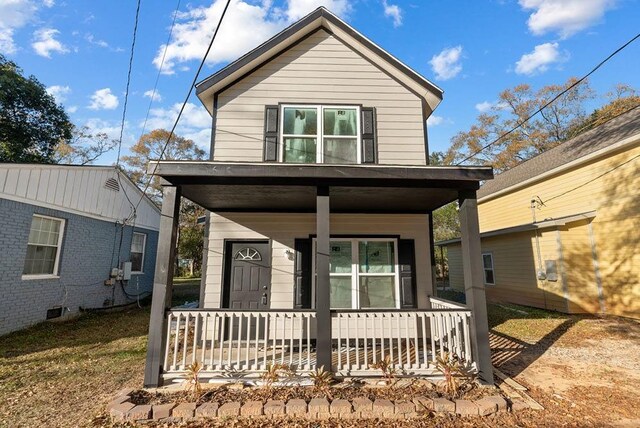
543,132
149,147
83,148
31,123
190,239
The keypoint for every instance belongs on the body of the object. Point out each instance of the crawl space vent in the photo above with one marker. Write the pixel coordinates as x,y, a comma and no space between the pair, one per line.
112,184
54,313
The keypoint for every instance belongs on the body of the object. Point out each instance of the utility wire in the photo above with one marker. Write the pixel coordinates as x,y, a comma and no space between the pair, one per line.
576,83
193,83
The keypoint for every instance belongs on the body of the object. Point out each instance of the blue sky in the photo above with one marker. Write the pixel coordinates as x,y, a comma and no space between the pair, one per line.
472,49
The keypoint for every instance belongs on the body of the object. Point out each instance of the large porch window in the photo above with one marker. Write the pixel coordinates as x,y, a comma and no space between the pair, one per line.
320,134
363,273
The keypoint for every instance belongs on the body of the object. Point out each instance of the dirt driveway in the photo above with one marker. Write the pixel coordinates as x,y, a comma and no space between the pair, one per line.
583,370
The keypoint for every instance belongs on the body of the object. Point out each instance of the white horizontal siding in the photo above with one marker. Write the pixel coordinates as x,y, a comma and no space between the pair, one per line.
76,189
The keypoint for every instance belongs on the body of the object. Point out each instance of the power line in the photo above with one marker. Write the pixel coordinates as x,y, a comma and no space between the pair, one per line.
576,83
164,54
195,79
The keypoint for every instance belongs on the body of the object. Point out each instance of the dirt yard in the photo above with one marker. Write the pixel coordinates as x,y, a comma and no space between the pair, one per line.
583,370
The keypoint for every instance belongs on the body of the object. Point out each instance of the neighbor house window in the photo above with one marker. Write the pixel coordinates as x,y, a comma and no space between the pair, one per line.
138,242
43,247
320,134
363,273
487,264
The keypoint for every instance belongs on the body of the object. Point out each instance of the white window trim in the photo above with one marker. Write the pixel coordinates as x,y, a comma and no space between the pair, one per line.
319,130
56,272
355,273
144,250
484,270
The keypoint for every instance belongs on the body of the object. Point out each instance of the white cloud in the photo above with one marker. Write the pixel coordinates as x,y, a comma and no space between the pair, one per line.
72,109
101,43
539,60
566,17
59,93
45,42
394,12
49,3
195,122
103,99
484,106
246,25
14,14
297,9
112,129
434,120
446,64
155,96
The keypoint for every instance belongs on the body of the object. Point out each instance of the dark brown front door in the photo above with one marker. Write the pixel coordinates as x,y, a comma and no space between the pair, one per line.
248,280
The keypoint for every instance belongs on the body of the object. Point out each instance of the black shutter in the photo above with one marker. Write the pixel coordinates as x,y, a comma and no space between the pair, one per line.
271,133
369,137
302,275
407,262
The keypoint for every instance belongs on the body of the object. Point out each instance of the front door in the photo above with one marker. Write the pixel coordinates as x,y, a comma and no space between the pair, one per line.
249,276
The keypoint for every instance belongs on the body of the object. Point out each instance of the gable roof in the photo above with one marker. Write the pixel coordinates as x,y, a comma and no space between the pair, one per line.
601,139
321,18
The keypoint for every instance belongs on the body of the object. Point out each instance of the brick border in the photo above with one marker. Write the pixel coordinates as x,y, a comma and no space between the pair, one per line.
121,409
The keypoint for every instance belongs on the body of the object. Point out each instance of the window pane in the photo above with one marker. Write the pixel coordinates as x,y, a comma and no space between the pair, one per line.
340,121
486,261
340,292
137,243
340,150
40,260
300,150
377,257
136,262
377,292
488,276
340,260
300,121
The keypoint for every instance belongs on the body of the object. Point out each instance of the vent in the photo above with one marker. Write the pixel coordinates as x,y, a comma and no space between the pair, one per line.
54,313
112,184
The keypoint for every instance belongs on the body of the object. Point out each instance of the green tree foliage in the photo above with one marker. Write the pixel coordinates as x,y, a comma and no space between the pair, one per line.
190,239
32,125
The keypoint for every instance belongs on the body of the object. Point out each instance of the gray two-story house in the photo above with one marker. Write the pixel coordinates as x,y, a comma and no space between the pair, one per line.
318,248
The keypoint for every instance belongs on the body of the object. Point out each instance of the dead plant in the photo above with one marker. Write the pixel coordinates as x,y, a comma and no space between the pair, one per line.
456,376
322,380
275,372
193,380
387,368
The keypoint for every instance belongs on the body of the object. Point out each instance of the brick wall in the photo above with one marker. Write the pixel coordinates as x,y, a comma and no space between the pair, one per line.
89,251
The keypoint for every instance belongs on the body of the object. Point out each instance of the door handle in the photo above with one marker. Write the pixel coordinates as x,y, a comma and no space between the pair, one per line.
264,298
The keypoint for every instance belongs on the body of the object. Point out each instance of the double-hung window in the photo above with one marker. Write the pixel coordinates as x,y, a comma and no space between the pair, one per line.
43,246
138,242
363,273
487,264
320,134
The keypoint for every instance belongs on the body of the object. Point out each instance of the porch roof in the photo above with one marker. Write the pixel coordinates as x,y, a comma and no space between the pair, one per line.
277,187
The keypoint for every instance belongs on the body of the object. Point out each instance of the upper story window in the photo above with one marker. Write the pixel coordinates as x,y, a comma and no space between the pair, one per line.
320,134
43,246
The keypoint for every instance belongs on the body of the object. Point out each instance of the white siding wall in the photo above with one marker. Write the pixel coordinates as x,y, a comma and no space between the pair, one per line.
282,229
76,189
322,70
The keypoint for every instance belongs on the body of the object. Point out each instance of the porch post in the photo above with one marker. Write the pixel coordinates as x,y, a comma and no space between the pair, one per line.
163,284
323,312
474,284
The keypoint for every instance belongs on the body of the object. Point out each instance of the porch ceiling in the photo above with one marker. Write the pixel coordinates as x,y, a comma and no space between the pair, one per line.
263,187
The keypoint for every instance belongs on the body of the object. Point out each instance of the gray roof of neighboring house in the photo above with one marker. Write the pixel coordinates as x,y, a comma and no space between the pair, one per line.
591,141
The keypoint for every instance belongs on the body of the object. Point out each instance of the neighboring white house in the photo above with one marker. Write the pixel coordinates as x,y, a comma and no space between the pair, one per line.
63,229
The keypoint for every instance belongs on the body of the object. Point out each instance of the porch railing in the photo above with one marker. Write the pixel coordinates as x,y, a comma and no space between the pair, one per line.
437,303
229,342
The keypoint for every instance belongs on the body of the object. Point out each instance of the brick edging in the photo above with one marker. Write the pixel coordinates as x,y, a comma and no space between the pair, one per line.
121,409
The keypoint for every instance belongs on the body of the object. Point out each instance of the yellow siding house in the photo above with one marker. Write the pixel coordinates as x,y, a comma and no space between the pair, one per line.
561,231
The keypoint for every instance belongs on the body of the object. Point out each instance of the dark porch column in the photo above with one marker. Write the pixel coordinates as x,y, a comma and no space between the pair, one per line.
474,284
323,312
163,284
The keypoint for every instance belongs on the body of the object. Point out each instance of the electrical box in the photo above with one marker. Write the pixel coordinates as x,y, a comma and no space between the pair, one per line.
126,271
114,272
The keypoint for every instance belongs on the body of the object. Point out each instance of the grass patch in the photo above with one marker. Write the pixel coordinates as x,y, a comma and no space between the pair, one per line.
185,290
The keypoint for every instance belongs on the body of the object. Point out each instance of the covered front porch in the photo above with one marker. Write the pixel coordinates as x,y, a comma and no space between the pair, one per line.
244,342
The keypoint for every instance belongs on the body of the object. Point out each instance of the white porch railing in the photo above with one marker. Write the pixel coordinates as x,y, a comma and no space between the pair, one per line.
228,342
437,303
